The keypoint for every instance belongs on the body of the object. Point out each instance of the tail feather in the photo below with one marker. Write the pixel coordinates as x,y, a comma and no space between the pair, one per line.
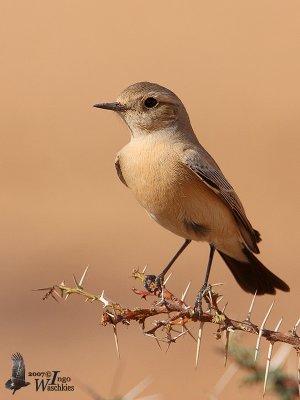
253,276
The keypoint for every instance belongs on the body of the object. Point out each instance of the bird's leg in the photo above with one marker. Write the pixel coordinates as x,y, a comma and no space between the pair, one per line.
155,283
198,302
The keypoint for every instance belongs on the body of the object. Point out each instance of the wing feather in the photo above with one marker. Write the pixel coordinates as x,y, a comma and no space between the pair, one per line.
202,164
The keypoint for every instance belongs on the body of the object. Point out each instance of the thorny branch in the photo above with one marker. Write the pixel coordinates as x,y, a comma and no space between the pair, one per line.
178,315
169,304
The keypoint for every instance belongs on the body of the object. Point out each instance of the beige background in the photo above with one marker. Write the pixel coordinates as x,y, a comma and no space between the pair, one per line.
235,64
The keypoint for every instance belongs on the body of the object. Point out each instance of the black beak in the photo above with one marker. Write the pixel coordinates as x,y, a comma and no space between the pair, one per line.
112,106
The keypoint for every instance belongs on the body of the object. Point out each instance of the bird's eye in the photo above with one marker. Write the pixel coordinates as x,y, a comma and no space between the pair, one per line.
150,102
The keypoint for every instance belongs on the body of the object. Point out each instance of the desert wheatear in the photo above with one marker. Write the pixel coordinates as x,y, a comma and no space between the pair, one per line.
181,186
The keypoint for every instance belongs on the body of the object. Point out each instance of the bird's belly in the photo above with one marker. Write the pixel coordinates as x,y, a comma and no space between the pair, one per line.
176,198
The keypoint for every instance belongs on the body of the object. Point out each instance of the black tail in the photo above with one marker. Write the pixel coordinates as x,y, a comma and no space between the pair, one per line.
253,276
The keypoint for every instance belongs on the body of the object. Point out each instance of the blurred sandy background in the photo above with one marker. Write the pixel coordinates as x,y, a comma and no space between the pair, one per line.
236,67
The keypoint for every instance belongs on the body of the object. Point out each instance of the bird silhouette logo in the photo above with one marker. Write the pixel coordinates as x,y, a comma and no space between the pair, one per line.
17,379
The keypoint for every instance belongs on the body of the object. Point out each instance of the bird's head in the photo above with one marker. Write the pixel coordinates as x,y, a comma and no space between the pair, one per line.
148,107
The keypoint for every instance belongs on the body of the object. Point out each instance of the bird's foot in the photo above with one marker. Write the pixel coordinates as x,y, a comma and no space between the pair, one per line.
154,284
198,303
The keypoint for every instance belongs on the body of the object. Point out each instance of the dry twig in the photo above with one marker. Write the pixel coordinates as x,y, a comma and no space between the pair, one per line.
178,314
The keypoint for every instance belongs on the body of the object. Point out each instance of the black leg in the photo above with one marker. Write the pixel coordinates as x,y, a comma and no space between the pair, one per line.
158,281
198,303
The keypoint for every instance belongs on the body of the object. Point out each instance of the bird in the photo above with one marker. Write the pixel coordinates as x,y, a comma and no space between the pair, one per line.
17,380
183,189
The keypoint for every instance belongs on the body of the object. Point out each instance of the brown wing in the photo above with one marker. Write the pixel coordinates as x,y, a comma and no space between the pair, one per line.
203,165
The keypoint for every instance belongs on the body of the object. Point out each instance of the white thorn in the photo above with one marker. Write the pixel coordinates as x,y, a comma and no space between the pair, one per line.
189,332
199,343
298,374
57,294
261,331
154,337
181,334
151,397
116,341
110,314
226,347
224,380
281,355
103,300
209,292
83,277
185,292
144,269
278,325
251,307
224,308
216,284
137,390
295,327
166,280
269,358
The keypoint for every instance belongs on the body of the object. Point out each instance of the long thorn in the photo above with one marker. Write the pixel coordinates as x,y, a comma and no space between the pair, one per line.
216,284
185,292
166,280
269,358
224,380
298,374
45,288
116,341
57,294
251,307
103,299
144,269
294,330
200,332
189,332
181,334
226,347
281,355
154,337
224,308
157,341
54,297
75,281
138,389
261,331
83,277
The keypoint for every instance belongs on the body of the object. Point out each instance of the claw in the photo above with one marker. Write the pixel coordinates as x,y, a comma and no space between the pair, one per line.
150,283
154,284
198,303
